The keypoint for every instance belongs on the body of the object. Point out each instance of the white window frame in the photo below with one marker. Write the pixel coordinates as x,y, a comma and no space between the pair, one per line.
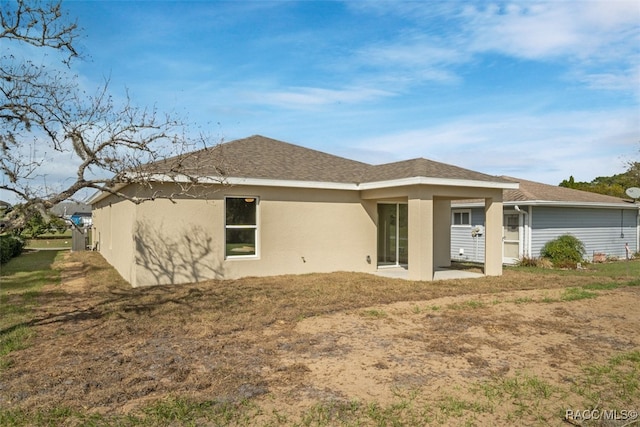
461,212
255,227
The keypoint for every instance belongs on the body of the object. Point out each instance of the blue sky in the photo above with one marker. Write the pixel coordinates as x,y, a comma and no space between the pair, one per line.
535,90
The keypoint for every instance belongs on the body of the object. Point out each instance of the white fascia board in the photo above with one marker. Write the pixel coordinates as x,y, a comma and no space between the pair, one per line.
455,205
366,185
289,183
568,204
557,204
99,194
422,180
261,182
94,197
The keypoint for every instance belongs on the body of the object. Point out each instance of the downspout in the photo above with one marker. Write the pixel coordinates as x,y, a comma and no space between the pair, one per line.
530,242
638,230
526,247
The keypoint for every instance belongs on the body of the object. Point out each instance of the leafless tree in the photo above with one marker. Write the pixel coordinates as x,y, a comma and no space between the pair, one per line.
44,112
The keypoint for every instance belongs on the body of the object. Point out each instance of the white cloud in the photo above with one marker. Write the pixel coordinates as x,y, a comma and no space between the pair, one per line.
545,148
415,59
597,39
623,80
582,31
310,97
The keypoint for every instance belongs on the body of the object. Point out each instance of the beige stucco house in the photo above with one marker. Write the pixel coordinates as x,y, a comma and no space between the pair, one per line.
265,207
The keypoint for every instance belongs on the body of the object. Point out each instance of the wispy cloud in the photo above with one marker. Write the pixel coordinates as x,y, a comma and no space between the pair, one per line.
544,147
549,30
626,79
535,89
594,38
310,97
415,58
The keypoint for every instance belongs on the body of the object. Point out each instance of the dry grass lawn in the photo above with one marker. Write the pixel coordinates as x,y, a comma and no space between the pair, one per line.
328,349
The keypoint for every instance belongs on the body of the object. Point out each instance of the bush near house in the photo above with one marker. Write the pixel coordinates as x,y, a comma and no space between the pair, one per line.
535,262
564,251
10,246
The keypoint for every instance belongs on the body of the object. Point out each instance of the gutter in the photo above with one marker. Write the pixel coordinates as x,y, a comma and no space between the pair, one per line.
563,204
638,229
349,186
526,245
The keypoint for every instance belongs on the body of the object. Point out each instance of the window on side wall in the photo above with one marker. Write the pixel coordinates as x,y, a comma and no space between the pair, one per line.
241,227
461,218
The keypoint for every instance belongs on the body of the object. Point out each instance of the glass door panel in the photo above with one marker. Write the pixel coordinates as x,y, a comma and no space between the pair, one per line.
403,233
387,234
511,236
393,234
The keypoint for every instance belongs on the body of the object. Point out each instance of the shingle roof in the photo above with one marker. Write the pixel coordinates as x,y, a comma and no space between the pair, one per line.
425,168
532,192
536,191
266,158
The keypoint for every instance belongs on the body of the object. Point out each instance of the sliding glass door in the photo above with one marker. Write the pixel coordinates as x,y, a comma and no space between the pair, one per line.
393,235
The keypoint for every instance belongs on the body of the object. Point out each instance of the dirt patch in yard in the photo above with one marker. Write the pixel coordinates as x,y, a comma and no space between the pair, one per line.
448,343
289,344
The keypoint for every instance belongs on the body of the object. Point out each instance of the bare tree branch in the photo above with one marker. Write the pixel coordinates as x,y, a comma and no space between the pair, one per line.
45,117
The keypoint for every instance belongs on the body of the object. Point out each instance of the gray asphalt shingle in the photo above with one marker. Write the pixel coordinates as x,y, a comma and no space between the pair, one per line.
266,158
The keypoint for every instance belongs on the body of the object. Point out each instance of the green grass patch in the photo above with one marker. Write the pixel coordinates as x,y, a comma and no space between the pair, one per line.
182,411
575,294
601,286
616,383
165,412
548,300
48,243
619,270
470,304
12,339
21,280
523,398
374,314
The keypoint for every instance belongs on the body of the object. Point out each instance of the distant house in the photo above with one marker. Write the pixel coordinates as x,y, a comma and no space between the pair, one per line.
81,219
77,213
66,209
265,207
536,213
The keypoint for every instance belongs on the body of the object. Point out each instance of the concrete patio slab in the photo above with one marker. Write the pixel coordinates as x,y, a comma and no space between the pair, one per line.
439,274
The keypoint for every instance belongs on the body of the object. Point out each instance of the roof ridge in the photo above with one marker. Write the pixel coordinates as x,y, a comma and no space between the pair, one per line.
262,157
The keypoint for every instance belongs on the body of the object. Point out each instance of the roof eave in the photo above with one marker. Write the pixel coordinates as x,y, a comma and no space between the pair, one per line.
265,182
554,203
101,194
419,180
452,182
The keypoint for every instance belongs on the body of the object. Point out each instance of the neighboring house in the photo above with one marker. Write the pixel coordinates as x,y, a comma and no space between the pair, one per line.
66,209
81,219
265,207
537,213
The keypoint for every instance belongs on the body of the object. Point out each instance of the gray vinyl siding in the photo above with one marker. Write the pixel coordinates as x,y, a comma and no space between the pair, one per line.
601,230
461,239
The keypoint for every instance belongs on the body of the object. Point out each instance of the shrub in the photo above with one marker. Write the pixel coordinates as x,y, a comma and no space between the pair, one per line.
10,247
544,263
528,262
566,250
535,262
